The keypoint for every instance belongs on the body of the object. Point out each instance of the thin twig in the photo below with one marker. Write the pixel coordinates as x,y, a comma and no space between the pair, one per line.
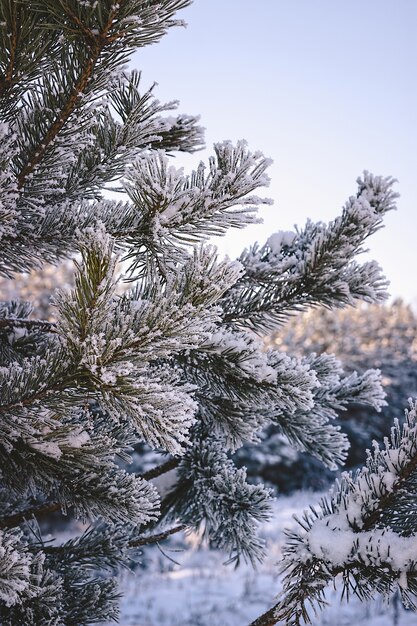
387,499
11,521
143,541
18,322
7,80
161,469
167,555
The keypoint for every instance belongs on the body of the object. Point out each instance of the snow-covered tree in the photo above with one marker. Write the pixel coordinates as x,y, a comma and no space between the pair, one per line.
174,361
367,334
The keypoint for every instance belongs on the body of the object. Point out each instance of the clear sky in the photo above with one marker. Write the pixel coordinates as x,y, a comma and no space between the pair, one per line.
326,88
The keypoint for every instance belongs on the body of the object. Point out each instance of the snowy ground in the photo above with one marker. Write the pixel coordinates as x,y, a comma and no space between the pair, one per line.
201,591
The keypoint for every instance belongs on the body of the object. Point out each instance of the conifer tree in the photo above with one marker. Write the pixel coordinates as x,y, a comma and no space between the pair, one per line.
173,361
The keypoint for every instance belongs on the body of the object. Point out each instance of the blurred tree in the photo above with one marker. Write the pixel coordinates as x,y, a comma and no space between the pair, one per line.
380,336
37,287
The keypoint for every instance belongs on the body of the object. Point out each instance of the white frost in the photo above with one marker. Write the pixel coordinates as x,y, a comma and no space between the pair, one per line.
280,239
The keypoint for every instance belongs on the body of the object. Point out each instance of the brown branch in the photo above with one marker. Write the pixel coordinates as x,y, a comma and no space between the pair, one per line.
60,120
143,541
90,37
266,619
16,322
11,521
161,469
96,43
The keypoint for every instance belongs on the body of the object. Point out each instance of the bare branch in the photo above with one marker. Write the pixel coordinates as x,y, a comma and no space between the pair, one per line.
11,521
142,541
161,469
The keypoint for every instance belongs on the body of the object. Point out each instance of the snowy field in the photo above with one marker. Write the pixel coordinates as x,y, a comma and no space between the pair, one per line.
201,591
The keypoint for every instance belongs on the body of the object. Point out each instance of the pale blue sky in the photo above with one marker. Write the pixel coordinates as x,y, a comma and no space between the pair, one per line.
326,88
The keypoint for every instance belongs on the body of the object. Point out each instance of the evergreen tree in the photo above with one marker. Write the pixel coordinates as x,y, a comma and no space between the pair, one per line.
174,361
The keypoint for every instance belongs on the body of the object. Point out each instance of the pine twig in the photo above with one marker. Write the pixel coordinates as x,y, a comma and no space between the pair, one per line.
97,43
387,499
6,82
143,541
11,521
161,469
266,619
16,322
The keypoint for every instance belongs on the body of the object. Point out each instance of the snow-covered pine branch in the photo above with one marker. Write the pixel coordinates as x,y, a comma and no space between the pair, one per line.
114,341
213,496
83,120
300,395
364,531
313,266
178,210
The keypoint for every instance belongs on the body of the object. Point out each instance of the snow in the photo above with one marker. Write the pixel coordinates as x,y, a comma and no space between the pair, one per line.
48,448
331,539
280,239
14,567
252,359
202,591
77,438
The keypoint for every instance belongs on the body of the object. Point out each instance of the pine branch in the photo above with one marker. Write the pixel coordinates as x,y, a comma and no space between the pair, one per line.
211,491
143,541
40,325
314,266
31,399
96,44
366,521
114,495
29,377
159,470
11,521
387,500
7,81
269,617
266,619
89,36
